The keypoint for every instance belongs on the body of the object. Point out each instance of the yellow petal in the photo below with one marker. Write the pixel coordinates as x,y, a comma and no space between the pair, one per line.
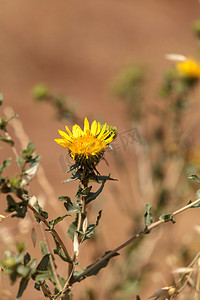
102,131
77,131
98,128
94,128
62,143
86,125
69,132
64,135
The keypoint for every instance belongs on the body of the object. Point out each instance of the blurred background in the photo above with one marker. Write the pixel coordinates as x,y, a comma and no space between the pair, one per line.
78,49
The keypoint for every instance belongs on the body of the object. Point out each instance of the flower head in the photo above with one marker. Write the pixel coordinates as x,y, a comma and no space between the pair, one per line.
189,68
87,146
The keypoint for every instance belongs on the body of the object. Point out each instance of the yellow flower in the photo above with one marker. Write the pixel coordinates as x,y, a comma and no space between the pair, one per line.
188,68
87,146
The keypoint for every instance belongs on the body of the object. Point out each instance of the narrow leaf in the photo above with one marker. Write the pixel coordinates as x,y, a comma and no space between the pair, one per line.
33,236
167,218
95,270
195,177
5,164
148,219
22,287
57,220
72,228
42,266
8,141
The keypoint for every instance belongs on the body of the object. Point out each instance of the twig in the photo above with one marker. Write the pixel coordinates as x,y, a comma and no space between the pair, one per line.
132,239
51,259
52,230
45,291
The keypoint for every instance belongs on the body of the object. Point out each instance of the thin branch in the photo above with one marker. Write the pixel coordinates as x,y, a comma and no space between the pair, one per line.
46,291
51,258
52,230
132,239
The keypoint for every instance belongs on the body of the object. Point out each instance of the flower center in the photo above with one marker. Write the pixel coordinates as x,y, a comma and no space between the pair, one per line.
88,145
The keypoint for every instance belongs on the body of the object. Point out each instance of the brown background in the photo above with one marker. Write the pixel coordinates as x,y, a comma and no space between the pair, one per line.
77,47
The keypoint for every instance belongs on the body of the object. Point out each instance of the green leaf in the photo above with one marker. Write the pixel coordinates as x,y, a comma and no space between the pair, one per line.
42,266
64,198
5,164
194,177
101,178
27,258
90,229
92,196
70,179
57,220
28,152
71,207
23,271
72,228
95,270
41,212
42,275
19,207
22,287
8,141
58,250
167,218
148,219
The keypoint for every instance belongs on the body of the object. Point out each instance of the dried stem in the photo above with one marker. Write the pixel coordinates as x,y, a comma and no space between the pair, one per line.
52,230
132,239
51,259
45,291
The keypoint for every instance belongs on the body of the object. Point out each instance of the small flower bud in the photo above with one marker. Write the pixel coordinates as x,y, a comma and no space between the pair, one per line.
85,224
76,245
172,291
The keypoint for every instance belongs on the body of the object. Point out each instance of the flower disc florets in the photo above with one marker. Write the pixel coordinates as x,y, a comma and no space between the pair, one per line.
87,146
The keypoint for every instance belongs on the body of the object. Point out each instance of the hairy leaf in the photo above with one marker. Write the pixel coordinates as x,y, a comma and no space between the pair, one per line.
27,258
8,141
167,218
19,207
5,164
42,266
90,229
148,219
57,220
22,287
58,249
72,228
195,177
95,270
28,152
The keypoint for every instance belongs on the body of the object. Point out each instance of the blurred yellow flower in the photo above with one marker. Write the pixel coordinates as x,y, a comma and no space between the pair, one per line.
194,157
87,146
188,68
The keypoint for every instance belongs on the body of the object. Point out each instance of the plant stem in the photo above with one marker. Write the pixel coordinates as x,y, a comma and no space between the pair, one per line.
53,231
132,239
46,292
51,258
